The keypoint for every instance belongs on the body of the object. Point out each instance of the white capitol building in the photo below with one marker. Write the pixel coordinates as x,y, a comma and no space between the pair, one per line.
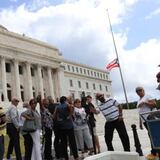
29,67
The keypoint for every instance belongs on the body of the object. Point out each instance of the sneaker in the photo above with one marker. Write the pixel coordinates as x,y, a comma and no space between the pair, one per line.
151,157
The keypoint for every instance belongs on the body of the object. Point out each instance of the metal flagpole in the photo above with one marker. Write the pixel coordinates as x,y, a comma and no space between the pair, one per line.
118,60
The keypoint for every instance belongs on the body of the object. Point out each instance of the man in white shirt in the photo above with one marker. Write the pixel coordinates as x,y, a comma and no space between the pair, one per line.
13,129
146,103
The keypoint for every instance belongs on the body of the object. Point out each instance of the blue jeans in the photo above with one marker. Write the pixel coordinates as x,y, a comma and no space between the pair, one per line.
1,147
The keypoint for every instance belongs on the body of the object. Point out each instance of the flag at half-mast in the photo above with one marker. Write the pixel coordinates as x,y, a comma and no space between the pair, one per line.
112,64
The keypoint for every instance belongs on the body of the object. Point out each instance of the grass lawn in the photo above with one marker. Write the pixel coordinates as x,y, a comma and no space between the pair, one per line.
6,139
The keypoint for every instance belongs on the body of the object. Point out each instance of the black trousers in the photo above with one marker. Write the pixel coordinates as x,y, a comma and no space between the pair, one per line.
28,144
48,144
121,129
13,141
57,142
68,134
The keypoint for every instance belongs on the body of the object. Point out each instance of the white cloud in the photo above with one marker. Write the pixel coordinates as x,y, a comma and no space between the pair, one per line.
80,29
153,14
139,68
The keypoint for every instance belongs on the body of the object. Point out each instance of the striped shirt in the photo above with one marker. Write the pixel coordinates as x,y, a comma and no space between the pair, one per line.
109,109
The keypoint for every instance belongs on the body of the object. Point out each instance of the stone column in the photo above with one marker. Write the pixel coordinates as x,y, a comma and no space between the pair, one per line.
30,92
50,82
4,82
17,79
40,80
60,82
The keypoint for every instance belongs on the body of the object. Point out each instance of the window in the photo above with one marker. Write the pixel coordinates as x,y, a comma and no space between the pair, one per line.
88,72
71,83
95,74
9,92
106,88
84,71
22,92
42,72
94,86
100,87
8,67
79,84
101,75
81,70
91,73
72,95
69,67
87,85
73,68
98,75
20,69
34,92
32,71
77,69
106,76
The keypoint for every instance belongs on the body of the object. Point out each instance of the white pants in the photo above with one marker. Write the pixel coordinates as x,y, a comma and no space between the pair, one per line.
36,150
83,135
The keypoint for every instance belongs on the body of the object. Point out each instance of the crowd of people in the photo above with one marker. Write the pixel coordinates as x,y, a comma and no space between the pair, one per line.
71,124
71,120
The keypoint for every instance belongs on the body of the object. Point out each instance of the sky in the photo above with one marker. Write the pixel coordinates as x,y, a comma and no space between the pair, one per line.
80,30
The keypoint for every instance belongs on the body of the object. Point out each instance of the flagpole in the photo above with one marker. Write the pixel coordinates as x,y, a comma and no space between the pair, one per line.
125,93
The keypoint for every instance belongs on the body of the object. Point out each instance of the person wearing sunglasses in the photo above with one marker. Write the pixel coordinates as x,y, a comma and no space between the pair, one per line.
112,111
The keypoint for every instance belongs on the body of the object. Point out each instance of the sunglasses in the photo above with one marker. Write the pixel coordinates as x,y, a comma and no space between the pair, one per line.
139,90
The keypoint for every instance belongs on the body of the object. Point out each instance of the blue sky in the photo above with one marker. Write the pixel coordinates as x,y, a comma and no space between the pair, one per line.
80,29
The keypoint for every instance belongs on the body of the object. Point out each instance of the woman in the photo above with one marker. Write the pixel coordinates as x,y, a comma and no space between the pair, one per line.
36,149
28,142
81,128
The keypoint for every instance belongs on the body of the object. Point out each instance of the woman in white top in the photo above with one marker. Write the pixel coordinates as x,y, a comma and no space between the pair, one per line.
81,128
36,149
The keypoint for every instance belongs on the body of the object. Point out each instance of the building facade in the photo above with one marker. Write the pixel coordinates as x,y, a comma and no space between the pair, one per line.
29,67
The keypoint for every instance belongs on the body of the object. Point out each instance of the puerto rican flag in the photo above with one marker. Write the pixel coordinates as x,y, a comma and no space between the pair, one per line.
112,64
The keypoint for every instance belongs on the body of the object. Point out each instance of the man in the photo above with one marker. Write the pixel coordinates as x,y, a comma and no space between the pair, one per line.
112,111
145,104
2,131
13,129
63,116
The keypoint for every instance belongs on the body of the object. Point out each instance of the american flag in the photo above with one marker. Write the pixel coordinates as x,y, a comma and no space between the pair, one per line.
112,64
